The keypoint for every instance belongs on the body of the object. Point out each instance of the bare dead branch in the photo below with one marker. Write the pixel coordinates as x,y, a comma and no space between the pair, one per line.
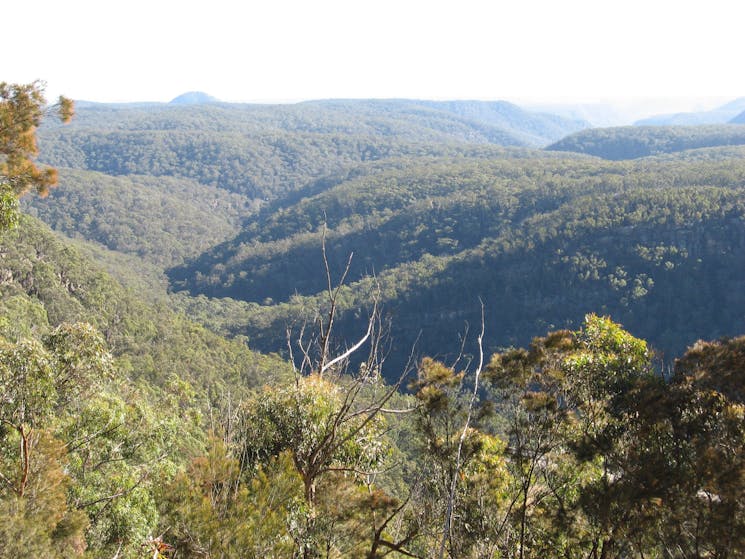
326,328
395,412
350,351
463,340
464,433
398,548
288,339
307,362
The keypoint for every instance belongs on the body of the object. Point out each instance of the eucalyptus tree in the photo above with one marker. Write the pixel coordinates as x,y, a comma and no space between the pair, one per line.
22,108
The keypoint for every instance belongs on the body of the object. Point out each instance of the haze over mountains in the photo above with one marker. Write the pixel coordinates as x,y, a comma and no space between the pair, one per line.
719,115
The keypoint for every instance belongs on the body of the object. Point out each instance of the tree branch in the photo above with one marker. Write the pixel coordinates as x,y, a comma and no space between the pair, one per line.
464,433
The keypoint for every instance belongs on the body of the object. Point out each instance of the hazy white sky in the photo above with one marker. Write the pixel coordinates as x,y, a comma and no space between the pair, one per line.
280,50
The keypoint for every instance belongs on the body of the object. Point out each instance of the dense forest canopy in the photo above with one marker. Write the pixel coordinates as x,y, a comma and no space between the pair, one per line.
450,384
631,142
437,221
541,240
160,219
264,152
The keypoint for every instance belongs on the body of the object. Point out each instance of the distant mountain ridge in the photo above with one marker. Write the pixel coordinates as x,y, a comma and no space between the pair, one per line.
194,98
719,115
267,151
533,127
497,122
739,119
632,142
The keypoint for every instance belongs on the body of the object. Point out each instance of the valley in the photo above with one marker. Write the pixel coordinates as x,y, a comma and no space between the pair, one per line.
434,200
369,328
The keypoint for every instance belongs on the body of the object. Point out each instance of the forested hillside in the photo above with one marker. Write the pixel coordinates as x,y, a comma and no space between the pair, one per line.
103,397
631,142
159,219
45,283
138,422
540,240
236,201
264,152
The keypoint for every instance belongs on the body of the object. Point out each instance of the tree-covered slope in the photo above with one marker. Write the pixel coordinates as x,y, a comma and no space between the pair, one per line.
162,220
674,274
631,142
541,241
385,215
264,152
583,444
436,206
259,167
393,183
45,282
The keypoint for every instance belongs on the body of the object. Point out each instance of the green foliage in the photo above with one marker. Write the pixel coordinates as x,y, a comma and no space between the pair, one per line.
311,421
631,142
439,222
159,220
259,152
616,459
40,523
708,419
8,208
47,282
544,240
481,476
607,362
120,443
80,447
214,511
27,382
336,441
22,108
83,445
40,383
717,366
590,454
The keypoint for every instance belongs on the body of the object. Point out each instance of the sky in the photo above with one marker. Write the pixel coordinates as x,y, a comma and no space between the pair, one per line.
527,51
